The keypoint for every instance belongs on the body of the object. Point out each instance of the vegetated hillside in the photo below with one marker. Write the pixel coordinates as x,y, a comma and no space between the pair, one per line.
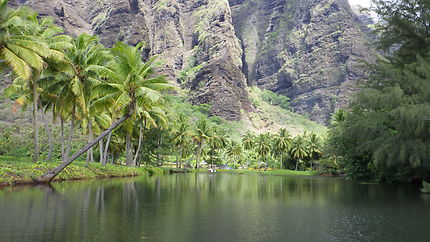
307,50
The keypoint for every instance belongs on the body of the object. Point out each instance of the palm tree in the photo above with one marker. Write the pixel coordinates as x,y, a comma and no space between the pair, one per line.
182,137
234,150
217,141
26,44
248,141
130,84
263,146
282,144
314,147
200,135
338,117
86,52
299,150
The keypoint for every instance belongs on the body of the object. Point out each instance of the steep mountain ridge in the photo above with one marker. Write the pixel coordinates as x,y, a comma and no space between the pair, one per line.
307,50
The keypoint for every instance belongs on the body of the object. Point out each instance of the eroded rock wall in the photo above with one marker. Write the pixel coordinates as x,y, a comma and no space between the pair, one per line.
308,50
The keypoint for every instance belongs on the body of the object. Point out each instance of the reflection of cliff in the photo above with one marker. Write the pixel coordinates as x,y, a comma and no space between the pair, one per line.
307,50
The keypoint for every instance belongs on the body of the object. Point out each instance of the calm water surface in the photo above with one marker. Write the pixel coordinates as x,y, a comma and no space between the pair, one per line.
220,207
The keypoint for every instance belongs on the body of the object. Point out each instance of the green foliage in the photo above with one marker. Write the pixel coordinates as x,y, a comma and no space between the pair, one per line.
275,99
189,72
426,187
384,136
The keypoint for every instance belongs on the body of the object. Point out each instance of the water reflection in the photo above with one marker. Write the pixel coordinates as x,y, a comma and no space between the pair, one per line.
214,207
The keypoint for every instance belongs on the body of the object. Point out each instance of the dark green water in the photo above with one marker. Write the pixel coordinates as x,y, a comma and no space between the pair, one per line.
221,207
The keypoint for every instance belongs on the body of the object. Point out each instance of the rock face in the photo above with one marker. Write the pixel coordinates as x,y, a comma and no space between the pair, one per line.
309,50
305,49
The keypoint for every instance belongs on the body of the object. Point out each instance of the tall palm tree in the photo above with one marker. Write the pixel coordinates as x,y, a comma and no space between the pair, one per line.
217,141
263,146
26,44
201,134
182,136
234,150
314,147
282,144
299,150
130,84
248,141
86,52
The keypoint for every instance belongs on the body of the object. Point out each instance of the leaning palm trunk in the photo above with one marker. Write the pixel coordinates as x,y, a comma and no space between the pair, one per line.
50,141
47,177
35,125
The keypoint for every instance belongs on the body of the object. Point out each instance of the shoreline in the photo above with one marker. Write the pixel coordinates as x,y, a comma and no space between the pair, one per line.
16,172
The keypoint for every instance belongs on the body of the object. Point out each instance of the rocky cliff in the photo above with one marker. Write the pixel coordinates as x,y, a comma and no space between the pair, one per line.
308,50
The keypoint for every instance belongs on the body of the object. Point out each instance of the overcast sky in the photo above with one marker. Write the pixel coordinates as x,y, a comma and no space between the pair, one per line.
363,3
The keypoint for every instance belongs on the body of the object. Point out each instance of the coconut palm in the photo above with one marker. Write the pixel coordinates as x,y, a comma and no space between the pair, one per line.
182,137
282,144
27,43
263,146
313,147
130,86
299,150
200,135
217,141
235,150
248,141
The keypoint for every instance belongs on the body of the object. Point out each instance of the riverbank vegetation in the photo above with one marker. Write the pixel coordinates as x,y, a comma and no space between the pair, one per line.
15,170
109,106
384,134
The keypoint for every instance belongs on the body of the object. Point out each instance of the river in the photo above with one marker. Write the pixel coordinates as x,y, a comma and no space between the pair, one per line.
215,207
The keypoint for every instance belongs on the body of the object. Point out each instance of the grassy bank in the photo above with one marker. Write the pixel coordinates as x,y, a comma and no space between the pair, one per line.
21,171
271,172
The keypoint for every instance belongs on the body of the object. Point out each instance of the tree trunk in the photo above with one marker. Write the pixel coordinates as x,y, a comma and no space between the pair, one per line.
50,141
72,130
101,151
180,156
138,146
90,155
297,165
128,150
198,155
35,125
47,177
107,150
63,148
